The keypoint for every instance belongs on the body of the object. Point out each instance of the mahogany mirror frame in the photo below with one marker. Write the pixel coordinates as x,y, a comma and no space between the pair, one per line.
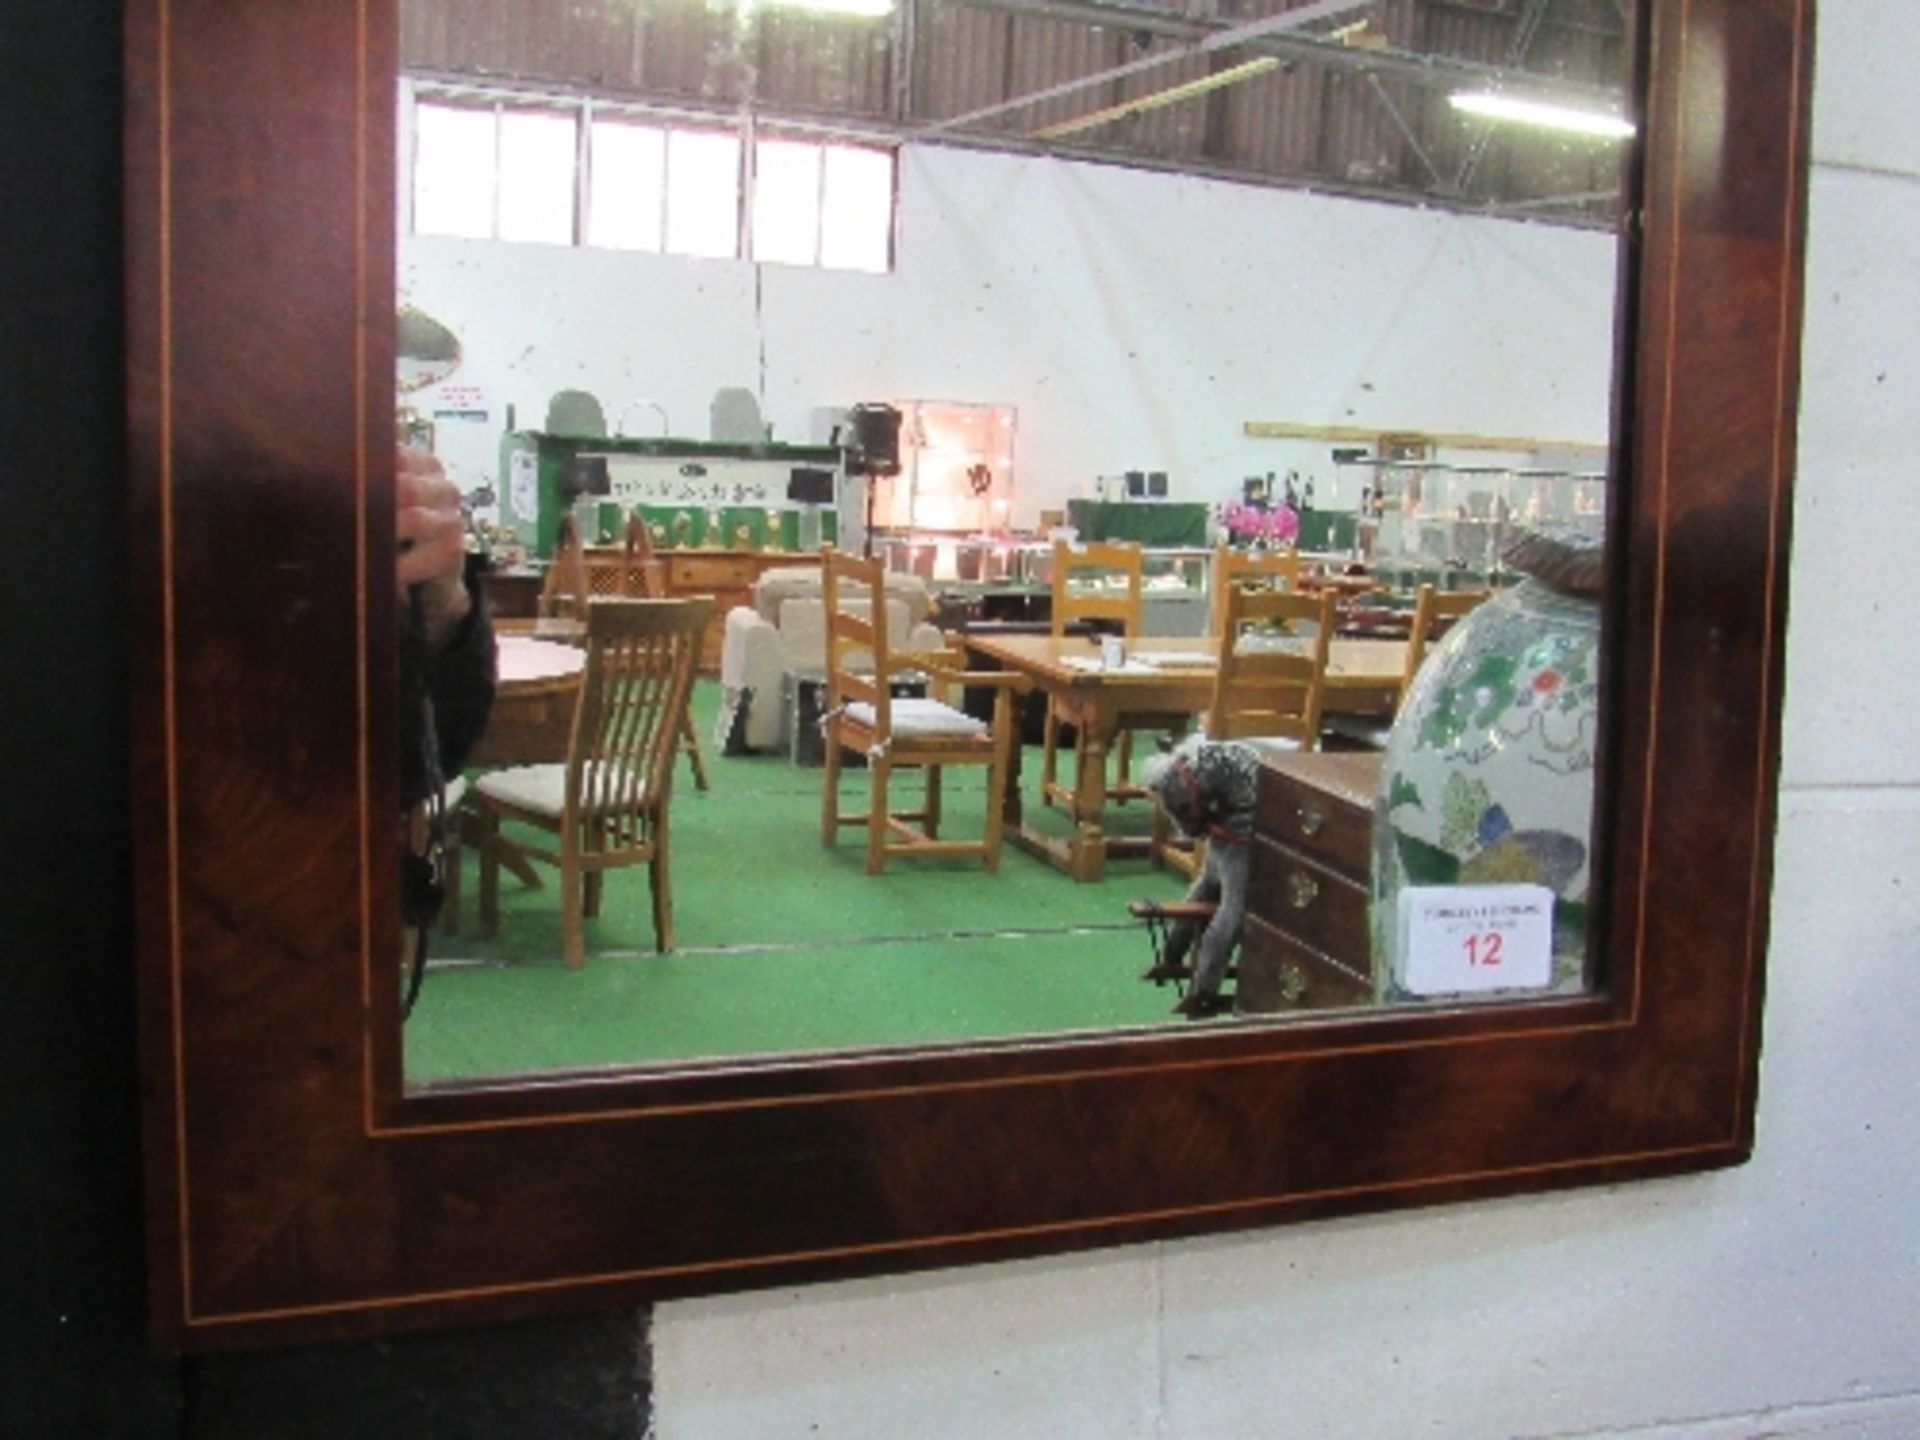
298,1190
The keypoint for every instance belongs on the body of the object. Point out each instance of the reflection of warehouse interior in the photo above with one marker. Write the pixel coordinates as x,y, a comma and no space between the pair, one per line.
947,327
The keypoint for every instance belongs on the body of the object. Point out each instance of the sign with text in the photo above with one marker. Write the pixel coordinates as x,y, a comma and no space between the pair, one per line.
1460,939
701,482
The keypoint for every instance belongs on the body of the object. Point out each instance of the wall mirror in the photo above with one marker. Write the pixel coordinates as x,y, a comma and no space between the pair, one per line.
1216,252
299,1187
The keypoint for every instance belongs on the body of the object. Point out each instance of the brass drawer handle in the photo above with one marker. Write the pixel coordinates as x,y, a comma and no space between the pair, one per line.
1302,890
1293,982
1312,820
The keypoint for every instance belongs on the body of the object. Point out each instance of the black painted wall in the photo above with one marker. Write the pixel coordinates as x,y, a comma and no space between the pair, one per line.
74,1358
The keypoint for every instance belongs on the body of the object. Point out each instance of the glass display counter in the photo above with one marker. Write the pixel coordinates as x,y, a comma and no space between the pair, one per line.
1011,579
1450,523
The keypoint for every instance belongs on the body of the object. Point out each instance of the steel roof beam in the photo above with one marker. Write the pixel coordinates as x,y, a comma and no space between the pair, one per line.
1207,40
1433,71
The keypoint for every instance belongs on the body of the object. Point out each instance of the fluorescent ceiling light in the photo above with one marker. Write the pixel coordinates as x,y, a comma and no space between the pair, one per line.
1539,112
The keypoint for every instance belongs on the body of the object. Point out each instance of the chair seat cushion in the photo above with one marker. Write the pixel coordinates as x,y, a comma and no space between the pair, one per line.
541,789
918,716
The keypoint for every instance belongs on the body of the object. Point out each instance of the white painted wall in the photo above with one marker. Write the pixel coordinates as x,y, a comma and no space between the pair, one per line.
1135,320
1780,1299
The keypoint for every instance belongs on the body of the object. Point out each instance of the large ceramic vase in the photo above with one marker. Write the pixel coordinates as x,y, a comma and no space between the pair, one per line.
1488,773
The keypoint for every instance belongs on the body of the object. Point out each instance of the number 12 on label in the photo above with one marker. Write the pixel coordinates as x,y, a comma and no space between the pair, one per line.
1483,948
1459,939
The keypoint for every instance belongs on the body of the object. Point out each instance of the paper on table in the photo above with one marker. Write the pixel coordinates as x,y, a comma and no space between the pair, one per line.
1179,659
1091,664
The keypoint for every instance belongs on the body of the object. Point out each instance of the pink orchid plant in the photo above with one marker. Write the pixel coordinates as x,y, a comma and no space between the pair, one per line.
1275,525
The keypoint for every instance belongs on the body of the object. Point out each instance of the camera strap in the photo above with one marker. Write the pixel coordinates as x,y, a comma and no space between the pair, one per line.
423,861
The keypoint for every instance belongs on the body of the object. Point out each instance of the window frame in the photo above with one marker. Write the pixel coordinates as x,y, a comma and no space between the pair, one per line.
298,1190
588,111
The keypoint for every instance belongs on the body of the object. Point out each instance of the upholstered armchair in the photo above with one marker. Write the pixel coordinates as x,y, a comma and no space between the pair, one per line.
784,633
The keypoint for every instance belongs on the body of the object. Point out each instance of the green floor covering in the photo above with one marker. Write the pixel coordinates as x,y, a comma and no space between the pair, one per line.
784,945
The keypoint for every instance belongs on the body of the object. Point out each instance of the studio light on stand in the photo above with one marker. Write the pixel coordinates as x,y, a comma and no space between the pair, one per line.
810,488
581,479
872,450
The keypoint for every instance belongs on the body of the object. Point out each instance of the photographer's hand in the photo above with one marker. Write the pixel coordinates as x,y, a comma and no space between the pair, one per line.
431,531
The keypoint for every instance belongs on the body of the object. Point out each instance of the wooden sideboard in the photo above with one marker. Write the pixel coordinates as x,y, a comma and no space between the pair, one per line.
1306,945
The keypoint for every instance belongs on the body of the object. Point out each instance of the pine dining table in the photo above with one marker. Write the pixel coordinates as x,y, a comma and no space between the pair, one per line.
1163,676
536,682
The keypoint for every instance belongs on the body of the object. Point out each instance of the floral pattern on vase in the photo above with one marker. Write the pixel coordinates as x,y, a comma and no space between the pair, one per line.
1488,773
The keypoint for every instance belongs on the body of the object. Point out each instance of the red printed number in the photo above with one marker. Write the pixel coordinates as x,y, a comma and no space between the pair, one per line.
1483,950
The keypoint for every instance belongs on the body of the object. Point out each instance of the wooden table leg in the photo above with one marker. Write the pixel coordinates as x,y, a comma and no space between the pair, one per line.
1012,810
1087,852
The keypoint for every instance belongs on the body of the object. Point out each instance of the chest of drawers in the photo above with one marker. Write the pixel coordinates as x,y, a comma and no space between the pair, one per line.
1306,945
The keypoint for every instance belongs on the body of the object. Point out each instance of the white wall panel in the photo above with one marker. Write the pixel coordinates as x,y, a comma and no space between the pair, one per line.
1776,1299
1040,1351
1135,319
1852,691
1859,120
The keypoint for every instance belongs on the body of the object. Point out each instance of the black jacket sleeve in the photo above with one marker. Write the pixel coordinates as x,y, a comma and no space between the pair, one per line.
454,685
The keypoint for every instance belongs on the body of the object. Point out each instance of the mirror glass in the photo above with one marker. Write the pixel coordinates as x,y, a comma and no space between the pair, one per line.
1321,295
426,353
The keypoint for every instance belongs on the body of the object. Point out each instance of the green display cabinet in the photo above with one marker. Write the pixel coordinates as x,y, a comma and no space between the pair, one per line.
1153,522
1329,530
709,494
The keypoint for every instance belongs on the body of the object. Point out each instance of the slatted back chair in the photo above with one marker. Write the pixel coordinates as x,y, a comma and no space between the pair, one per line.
607,805
1273,667
1279,569
862,714
564,590
630,572
1083,579
1267,687
1433,611
1078,591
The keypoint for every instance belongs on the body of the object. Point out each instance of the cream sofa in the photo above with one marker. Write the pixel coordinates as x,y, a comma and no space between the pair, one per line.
784,633
802,582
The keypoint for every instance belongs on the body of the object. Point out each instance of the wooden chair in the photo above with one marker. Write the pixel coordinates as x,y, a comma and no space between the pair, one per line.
1268,686
608,804
1074,602
1433,611
564,589
862,714
1280,569
633,573
580,574
629,570
1097,562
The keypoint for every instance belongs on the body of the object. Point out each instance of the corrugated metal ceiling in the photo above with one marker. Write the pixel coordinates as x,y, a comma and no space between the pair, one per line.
1354,99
